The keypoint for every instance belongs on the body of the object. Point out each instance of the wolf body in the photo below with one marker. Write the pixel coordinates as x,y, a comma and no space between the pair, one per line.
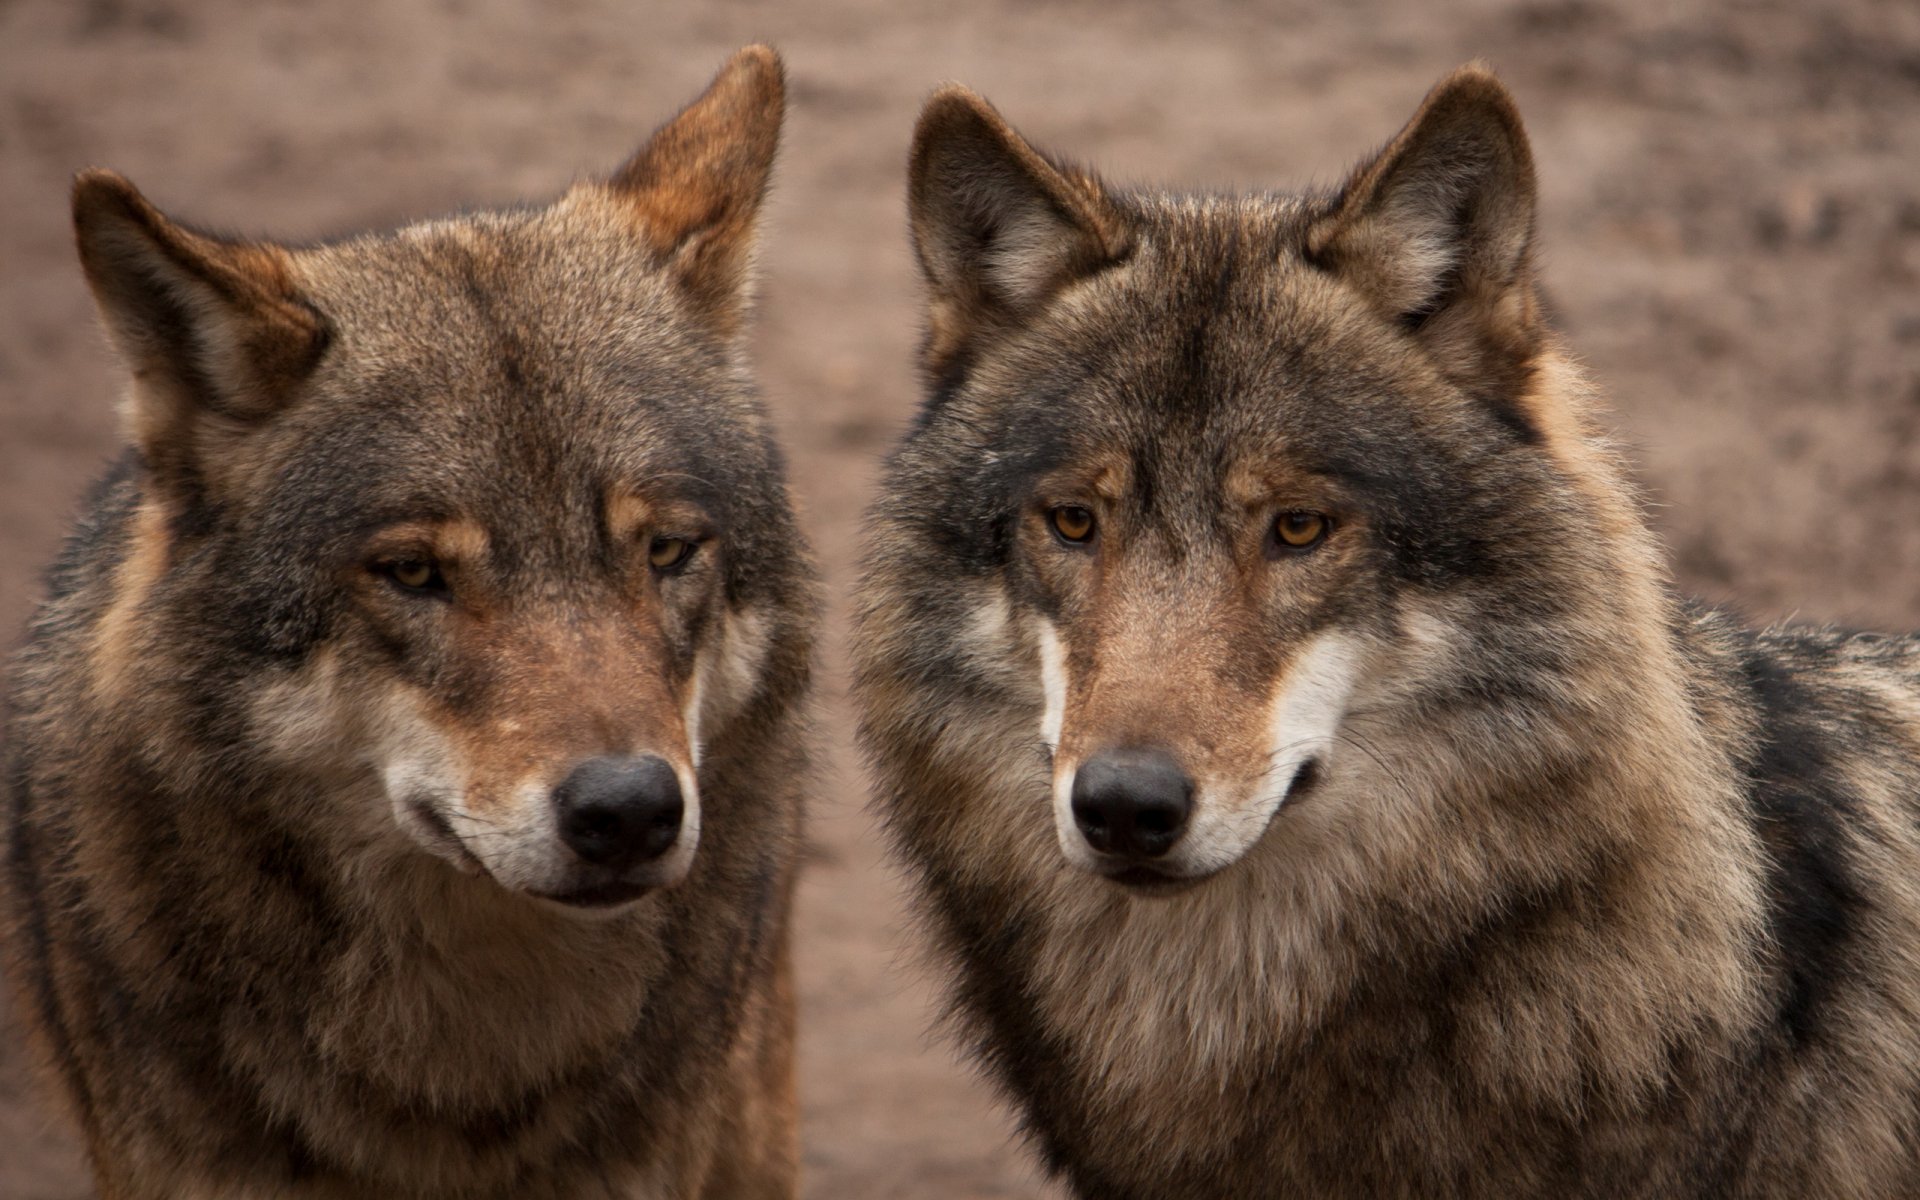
404,769
1312,781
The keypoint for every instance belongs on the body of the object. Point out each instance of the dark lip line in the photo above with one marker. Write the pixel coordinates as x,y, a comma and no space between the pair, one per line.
1305,779
438,823
605,896
1147,881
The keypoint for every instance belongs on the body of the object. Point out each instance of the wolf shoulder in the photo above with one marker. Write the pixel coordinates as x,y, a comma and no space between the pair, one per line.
1831,693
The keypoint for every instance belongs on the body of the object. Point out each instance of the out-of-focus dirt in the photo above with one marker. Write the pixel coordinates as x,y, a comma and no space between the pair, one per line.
1731,224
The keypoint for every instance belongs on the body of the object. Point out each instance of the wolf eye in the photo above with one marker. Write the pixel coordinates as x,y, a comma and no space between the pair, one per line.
414,574
1072,523
668,553
1300,530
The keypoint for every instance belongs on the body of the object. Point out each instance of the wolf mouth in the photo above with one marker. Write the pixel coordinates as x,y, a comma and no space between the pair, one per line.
602,895
1306,777
1147,881
1155,879
611,894
436,822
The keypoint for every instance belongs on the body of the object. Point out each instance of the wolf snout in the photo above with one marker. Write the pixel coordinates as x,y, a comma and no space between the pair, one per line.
618,812
1132,803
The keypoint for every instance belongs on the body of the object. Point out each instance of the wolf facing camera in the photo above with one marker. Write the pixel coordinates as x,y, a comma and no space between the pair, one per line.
1313,784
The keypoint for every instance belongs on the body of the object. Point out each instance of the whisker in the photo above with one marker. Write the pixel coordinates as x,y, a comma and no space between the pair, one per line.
1406,790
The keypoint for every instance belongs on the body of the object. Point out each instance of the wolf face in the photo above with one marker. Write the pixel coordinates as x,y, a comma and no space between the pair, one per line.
1216,460
487,499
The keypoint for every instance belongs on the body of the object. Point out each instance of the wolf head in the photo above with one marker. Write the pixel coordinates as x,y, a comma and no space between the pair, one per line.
1210,481
484,510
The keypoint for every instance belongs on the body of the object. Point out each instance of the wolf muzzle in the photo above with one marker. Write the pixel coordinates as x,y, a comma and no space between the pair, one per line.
619,817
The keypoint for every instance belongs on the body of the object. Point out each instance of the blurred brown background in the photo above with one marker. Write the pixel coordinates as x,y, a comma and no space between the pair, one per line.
1732,239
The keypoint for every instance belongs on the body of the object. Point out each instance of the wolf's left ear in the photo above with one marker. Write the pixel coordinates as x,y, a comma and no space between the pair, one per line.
1437,230
697,185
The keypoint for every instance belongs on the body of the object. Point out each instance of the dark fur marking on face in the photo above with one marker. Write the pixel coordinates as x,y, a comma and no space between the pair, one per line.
1417,518
507,346
1305,779
1196,348
973,523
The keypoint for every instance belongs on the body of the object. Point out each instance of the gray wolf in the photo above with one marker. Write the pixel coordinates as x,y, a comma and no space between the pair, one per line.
1313,783
403,770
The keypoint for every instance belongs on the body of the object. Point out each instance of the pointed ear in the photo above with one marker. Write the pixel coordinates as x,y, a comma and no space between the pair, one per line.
998,228
697,185
1437,231
215,332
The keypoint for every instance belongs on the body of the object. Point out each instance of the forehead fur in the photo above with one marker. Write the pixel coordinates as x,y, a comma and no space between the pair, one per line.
543,349
513,370
569,295
1215,348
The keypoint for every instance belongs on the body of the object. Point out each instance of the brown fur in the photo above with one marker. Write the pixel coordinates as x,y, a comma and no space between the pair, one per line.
1568,888
283,896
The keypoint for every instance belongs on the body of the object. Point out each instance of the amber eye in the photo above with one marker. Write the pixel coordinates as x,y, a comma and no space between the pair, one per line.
414,574
1300,530
667,553
1072,522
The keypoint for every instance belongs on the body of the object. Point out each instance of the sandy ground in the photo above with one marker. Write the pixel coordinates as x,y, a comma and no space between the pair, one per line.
1732,232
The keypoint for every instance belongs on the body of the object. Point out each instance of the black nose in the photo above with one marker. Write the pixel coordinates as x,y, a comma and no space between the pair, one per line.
1132,802
618,812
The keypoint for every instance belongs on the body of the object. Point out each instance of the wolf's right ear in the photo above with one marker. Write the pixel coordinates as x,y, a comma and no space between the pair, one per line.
998,229
215,332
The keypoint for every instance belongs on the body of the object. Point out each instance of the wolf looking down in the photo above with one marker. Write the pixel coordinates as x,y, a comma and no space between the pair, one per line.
404,770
